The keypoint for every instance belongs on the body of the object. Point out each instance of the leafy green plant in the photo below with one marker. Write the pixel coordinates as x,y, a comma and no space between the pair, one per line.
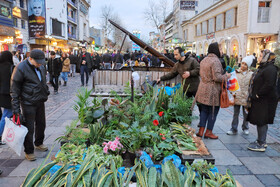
97,133
202,167
71,153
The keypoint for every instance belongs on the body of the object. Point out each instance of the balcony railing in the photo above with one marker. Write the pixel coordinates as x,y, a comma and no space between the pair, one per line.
71,19
73,36
72,3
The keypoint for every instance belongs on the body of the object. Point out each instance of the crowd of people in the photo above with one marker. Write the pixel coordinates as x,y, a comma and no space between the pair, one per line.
24,90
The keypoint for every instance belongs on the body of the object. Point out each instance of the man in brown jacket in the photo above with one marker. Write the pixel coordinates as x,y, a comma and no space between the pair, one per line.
188,68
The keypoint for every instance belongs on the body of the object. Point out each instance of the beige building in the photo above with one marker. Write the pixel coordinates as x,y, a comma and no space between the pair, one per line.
240,26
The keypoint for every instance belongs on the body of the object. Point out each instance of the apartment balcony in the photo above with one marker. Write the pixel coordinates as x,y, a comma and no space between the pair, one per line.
72,36
72,20
72,3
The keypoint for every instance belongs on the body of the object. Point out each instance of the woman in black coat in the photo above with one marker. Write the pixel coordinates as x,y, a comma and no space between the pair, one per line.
6,68
263,99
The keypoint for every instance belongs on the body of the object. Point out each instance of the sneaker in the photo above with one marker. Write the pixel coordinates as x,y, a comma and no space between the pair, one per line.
42,147
55,92
231,132
246,131
265,144
30,157
256,147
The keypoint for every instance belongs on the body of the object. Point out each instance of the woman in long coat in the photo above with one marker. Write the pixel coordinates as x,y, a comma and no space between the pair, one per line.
263,99
209,90
6,68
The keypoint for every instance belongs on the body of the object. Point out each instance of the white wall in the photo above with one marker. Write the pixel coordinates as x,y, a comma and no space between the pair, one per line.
83,19
272,26
56,9
203,4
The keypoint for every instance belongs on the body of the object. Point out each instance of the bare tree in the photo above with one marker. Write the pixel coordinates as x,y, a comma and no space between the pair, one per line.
156,12
106,14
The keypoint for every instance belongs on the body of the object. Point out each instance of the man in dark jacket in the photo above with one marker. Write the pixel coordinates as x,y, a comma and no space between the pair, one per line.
54,69
85,64
255,61
126,56
188,68
107,60
118,60
29,91
73,62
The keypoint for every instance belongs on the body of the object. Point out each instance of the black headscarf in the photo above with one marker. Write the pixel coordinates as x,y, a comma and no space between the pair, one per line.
214,48
6,57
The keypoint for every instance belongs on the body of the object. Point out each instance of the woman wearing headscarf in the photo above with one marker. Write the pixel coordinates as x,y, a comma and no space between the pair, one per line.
263,99
6,68
65,68
209,90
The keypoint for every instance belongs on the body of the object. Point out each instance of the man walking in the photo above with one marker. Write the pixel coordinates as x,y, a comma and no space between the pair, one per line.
29,92
54,69
73,62
85,65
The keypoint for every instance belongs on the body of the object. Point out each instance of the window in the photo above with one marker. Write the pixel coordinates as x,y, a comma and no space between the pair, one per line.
204,27
220,22
211,25
186,35
230,18
198,30
21,3
15,22
85,30
56,27
22,24
264,11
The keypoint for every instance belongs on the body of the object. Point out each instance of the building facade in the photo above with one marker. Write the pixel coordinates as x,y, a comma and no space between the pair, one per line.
20,21
241,27
83,22
72,24
7,31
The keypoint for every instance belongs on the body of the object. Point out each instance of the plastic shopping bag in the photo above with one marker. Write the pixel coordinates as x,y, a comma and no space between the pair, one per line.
231,98
233,85
14,135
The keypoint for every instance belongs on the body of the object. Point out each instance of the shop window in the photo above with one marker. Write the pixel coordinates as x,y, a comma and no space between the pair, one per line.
211,25
21,3
56,27
22,24
198,30
15,22
264,11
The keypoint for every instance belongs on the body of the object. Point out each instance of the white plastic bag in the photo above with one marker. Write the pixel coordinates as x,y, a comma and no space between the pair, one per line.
14,135
233,84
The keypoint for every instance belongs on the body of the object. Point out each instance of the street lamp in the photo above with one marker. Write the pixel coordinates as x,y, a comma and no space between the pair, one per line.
48,39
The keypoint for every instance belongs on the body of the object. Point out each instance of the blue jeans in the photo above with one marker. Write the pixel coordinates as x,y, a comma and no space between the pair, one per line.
207,116
64,76
6,113
84,70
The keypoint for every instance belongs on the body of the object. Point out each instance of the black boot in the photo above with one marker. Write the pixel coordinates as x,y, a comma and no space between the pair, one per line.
65,83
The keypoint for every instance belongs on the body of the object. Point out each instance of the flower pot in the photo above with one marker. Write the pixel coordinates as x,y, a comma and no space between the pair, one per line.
129,157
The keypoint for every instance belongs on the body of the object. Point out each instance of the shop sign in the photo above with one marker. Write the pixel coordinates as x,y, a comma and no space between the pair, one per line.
5,11
19,40
210,36
187,5
36,18
7,40
17,12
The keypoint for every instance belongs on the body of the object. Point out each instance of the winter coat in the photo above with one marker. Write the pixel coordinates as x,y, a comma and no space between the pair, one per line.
88,60
6,68
191,65
26,88
211,73
55,66
73,59
263,108
243,81
66,65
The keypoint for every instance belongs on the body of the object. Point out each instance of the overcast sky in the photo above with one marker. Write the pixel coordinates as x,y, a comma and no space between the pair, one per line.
129,11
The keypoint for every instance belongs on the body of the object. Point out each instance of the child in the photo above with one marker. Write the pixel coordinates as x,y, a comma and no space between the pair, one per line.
243,76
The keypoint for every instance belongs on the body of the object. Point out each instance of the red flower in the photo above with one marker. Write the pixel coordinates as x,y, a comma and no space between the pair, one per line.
160,113
160,134
163,138
155,122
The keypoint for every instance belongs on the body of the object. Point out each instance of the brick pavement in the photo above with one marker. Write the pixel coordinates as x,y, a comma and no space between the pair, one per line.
249,168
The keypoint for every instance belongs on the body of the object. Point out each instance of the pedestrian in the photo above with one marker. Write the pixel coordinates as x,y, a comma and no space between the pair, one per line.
54,69
6,69
85,64
263,99
118,60
65,68
243,77
188,68
209,90
126,56
29,92
107,60
255,61
73,62
15,58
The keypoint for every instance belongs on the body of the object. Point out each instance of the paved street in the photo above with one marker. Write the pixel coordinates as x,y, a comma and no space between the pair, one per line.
249,168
